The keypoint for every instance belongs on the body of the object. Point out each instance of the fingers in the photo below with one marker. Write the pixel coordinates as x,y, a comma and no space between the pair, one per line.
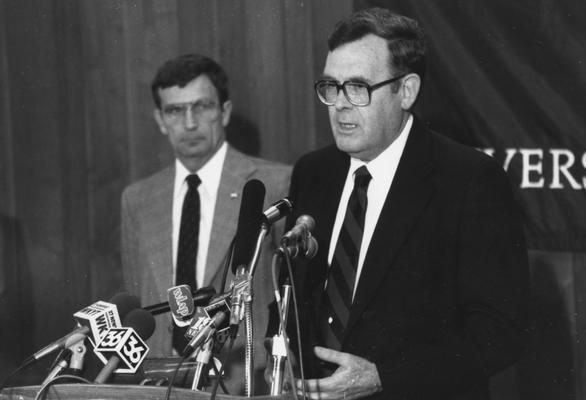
315,390
333,356
355,377
324,386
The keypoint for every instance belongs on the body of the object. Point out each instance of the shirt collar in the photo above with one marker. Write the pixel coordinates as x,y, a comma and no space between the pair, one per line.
209,173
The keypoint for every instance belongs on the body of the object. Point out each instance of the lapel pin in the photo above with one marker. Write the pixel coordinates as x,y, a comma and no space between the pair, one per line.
233,195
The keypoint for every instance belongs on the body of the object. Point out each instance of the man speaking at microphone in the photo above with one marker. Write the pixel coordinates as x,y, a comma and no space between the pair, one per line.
177,224
418,290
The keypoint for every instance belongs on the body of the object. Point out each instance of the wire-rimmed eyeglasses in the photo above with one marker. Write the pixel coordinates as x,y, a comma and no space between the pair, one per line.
204,111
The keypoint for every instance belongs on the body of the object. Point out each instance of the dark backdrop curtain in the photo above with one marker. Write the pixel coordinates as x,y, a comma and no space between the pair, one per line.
76,127
508,77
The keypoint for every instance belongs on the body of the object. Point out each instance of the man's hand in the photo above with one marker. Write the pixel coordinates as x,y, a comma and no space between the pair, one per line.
355,377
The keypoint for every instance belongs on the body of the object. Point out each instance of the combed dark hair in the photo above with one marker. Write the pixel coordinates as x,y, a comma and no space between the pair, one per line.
181,70
405,38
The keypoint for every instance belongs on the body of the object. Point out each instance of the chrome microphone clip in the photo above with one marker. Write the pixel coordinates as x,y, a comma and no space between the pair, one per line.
277,210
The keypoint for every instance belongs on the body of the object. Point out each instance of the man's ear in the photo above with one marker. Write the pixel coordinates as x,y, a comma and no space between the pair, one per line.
226,112
410,88
158,115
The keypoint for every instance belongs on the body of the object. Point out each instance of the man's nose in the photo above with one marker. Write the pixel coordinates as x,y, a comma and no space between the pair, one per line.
341,100
190,120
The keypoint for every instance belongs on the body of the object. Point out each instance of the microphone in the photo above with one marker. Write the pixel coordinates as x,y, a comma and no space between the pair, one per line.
249,222
278,210
201,297
306,248
96,319
303,227
220,303
181,304
202,330
126,344
100,316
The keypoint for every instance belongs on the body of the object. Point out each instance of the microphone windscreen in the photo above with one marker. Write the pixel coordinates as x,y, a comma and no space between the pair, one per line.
125,303
141,321
249,222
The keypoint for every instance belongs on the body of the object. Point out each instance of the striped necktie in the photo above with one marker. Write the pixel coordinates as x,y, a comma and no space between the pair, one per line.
342,274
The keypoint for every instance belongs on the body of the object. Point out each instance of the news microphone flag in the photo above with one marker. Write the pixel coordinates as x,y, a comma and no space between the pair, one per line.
181,304
127,345
99,318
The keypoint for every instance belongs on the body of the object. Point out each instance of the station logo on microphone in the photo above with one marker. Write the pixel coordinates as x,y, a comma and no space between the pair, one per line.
127,345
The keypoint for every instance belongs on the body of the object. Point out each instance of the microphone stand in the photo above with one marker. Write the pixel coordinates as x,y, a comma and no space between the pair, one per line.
279,348
59,365
245,295
264,230
78,351
71,356
202,358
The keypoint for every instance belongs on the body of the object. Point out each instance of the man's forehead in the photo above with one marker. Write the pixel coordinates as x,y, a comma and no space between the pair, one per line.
199,88
365,57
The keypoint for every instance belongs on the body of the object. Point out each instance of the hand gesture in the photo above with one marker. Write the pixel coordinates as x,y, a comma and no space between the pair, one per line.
354,378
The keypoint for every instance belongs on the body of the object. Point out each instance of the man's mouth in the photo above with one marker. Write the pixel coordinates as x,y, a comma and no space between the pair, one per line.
347,125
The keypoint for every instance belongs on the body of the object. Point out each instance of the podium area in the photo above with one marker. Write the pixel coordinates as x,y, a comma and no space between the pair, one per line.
116,392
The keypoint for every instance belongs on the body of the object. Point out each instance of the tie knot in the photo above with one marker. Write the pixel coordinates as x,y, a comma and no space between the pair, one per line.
193,181
362,177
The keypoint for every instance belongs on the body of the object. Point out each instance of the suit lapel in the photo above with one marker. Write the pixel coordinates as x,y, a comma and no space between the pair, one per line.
236,170
408,195
329,198
323,208
159,211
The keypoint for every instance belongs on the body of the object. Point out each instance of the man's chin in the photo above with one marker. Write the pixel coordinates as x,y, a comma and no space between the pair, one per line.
195,150
347,145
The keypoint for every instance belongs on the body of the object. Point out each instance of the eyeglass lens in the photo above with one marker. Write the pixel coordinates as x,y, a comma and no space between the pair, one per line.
356,93
200,110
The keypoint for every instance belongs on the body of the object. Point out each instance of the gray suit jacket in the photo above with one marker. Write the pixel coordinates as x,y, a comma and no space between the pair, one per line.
147,254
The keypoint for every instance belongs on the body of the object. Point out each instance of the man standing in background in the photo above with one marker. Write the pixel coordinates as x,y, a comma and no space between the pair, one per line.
177,225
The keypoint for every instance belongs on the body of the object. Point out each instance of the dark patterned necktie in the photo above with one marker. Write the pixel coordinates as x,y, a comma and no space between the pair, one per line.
342,274
187,249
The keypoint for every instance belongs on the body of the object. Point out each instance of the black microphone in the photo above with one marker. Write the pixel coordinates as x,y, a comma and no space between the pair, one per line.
201,297
205,328
126,344
278,210
249,222
96,319
303,226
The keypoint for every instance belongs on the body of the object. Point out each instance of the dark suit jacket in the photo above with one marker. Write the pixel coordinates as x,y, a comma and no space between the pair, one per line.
441,301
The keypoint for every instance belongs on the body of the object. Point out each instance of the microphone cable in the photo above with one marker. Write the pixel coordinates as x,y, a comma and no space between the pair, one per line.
174,376
27,363
228,259
12,374
219,373
285,255
46,386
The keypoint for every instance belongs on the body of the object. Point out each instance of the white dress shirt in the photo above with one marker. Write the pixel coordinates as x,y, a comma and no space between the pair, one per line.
209,175
382,169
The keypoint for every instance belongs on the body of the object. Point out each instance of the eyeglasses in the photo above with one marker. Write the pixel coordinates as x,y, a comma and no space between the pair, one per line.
203,111
357,93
